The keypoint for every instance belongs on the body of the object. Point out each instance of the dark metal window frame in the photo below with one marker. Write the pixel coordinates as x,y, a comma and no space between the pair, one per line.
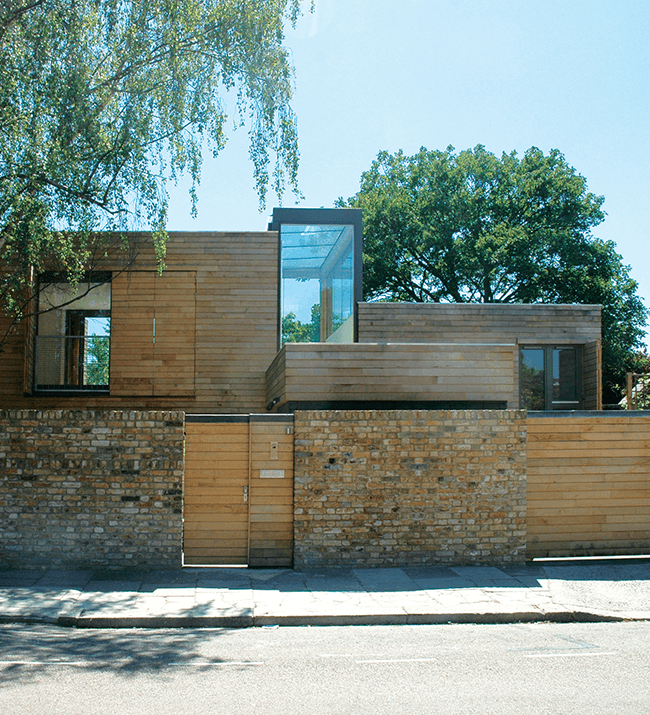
335,217
548,374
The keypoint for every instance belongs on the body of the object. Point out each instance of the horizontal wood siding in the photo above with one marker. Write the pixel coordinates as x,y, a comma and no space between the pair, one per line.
174,350
593,375
475,323
271,508
235,328
215,512
329,372
13,360
588,485
132,311
30,355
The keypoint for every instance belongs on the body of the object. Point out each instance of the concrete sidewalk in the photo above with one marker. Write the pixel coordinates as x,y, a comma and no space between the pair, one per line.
585,590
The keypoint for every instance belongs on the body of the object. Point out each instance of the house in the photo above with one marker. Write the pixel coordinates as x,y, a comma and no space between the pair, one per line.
246,406
274,321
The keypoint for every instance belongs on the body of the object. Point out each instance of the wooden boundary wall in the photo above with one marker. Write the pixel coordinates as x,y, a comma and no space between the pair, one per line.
588,487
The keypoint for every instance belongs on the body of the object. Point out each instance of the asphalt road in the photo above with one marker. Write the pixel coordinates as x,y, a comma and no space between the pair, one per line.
451,669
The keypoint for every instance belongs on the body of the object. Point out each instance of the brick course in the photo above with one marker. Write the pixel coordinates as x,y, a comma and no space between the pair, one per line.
409,487
91,488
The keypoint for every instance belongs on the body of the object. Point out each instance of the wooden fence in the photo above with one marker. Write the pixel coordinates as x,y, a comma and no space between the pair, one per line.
588,483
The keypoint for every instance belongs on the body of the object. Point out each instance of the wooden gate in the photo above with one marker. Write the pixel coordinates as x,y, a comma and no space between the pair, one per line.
238,492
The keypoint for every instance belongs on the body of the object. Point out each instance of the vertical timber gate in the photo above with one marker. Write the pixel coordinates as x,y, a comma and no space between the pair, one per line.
238,491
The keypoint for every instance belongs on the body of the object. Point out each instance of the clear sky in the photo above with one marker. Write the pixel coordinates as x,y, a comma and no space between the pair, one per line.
376,75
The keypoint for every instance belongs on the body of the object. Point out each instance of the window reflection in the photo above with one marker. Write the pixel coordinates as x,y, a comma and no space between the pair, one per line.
532,384
550,378
73,337
317,290
565,387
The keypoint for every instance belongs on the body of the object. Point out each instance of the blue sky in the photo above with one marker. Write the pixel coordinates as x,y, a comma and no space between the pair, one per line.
376,75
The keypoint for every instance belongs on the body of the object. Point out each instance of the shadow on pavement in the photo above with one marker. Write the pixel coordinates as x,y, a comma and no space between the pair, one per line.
28,652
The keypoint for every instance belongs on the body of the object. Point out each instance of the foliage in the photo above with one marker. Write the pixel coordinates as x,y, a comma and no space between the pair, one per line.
293,331
531,387
640,382
97,360
443,226
102,101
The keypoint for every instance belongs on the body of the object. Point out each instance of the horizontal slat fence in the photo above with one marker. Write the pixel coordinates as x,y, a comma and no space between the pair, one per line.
588,484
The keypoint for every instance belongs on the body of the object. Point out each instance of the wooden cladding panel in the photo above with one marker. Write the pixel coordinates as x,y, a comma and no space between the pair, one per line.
12,363
593,377
132,312
588,485
324,372
464,323
174,347
236,318
143,363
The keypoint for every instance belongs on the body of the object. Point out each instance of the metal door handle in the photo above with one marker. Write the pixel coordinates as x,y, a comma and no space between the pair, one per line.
245,494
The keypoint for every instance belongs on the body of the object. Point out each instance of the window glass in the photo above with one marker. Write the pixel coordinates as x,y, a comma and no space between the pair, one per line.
550,378
317,287
73,337
565,387
532,384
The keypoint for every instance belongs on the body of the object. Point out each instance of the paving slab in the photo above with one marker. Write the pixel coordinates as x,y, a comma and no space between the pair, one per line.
240,597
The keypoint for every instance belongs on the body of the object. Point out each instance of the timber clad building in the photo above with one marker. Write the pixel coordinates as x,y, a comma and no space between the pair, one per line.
246,406
273,322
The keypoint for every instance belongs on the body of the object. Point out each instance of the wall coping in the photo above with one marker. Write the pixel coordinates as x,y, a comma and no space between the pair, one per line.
599,414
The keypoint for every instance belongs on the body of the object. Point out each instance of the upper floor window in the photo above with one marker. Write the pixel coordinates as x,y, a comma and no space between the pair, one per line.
550,378
320,274
73,335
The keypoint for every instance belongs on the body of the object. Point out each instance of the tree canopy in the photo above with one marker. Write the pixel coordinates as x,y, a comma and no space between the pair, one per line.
102,101
443,226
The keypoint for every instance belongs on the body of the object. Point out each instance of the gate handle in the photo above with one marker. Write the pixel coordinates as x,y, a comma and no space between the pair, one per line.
245,494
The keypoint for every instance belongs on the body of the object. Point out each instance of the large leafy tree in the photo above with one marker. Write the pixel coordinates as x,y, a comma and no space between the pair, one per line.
102,101
443,226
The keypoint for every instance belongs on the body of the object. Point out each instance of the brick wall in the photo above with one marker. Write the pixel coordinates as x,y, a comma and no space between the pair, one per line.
91,488
409,487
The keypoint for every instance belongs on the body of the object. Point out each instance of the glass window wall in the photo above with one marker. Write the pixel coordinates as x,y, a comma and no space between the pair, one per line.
317,294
